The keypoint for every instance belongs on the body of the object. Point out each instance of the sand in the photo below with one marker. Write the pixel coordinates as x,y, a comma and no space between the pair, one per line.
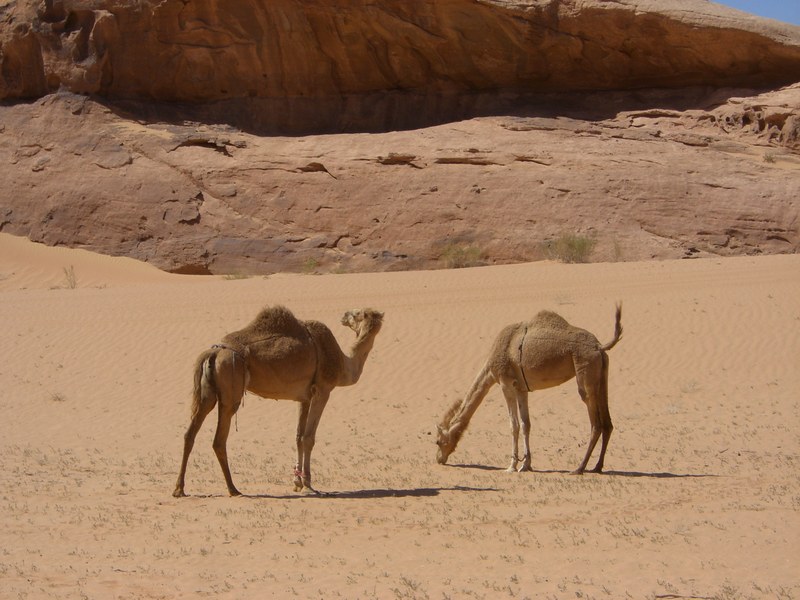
700,498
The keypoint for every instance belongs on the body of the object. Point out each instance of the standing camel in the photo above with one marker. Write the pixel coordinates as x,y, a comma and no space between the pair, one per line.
542,353
276,356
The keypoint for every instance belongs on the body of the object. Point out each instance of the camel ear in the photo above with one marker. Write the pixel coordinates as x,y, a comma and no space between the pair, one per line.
374,314
439,429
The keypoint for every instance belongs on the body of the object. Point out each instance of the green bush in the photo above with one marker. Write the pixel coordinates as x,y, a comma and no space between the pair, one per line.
310,266
571,248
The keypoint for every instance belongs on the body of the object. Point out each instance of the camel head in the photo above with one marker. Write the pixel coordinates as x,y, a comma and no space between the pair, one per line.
362,320
446,443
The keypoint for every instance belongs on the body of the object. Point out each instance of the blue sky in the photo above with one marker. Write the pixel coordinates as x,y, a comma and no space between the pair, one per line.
783,10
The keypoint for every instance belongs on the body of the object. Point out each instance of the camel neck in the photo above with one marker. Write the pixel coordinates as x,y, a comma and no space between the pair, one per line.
358,355
478,390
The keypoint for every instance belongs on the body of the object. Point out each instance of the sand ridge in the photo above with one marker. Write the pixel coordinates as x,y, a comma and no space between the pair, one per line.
700,498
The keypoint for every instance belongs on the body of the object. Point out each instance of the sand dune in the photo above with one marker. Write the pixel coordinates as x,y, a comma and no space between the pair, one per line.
700,498
25,265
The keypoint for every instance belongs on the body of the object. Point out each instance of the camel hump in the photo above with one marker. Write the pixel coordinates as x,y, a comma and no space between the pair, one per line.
549,320
276,319
547,324
271,321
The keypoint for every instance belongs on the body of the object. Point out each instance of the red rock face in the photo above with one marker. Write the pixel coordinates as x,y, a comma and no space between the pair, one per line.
177,158
332,65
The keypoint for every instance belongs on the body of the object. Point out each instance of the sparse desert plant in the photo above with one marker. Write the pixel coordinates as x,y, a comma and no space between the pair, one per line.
769,157
57,397
409,589
70,279
617,252
689,386
310,266
571,248
459,256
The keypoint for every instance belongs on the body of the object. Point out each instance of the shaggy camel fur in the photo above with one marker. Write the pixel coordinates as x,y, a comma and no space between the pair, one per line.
276,356
536,355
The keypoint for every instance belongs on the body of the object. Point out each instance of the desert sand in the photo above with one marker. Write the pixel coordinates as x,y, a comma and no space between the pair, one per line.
700,497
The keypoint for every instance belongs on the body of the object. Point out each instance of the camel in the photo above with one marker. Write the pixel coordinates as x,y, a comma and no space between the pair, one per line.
276,356
542,353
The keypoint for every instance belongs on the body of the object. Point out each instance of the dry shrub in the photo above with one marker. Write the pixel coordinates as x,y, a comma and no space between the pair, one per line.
70,279
571,248
459,256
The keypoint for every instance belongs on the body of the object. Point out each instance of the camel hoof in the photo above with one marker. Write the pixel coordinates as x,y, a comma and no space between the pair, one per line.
577,472
525,469
179,493
234,493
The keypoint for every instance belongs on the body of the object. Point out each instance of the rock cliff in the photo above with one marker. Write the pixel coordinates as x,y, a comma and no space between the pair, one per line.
196,135
330,65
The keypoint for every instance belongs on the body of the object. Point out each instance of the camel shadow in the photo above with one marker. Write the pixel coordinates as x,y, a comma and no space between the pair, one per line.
654,475
657,475
474,466
371,494
661,475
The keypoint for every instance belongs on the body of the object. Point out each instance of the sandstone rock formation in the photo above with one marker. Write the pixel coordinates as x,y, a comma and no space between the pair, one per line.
157,130
645,183
293,66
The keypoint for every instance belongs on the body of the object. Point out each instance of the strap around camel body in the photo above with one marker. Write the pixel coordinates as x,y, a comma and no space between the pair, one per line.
239,353
521,368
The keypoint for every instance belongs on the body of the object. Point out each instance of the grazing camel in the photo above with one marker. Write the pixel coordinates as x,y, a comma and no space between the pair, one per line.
276,356
542,353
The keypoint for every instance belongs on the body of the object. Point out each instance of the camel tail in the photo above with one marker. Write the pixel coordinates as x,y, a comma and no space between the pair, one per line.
204,379
617,329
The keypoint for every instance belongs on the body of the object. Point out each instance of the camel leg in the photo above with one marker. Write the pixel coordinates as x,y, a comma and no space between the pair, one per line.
524,417
588,389
225,414
230,381
604,415
511,402
301,428
318,402
206,405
